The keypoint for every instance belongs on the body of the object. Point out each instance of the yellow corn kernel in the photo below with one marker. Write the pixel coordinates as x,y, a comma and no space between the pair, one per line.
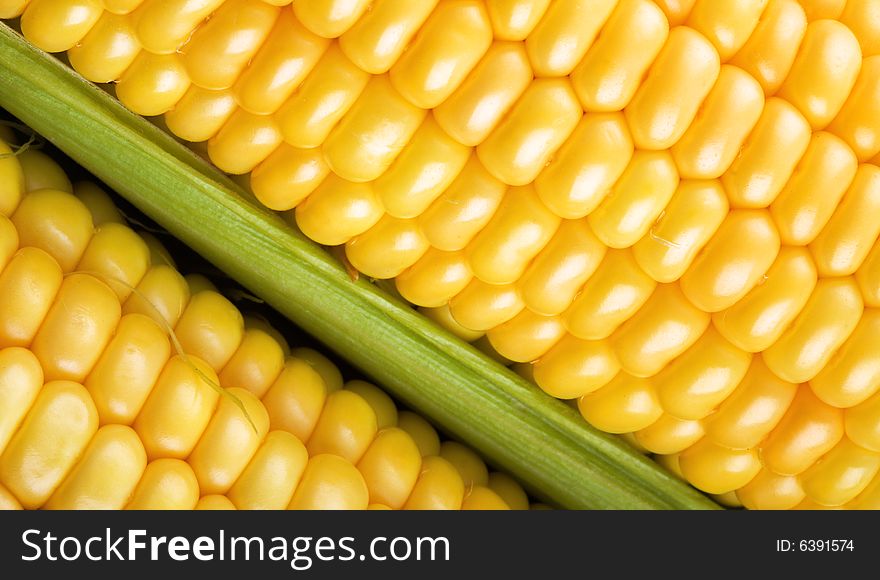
159,255
575,367
442,316
163,26
199,283
329,18
609,75
77,328
58,25
214,503
863,18
7,500
118,257
328,371
48,443
564,34
808,200
446,48
259,135
857,122
374,131
753,410
463,209
482,498
841,475
868,277
423,170
107,50
153,84
731,110
296,398
862,426
844,242
388,248
346,427
120,7
99,204
869,499
675,86
768,157
853,374
829,317
128,368
21,379
809,429
770,491
200,113
255,322
733,262
481,306
162,295
559,271
670,463
285,178
12,9
327,94
715,469
539,123
824,72
107,473
509,491
822,9
758,319
665,327
255,365
270,479
689,221
210,328
330,482
12,180
167,484
636,200
527,336
518,231
178,409
230,440
583,171
42,172
28,285
422,433
391,467
728,24
435,278
515,19
470,467
669,435
338,210
471,112
383,406
8,241
54,221
624,405
615,291
693,385
376,41
439,487
676,11
483,345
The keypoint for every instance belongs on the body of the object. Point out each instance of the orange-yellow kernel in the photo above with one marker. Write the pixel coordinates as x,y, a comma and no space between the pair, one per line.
210,328
270,479
42,172
476,107
823,9
8,501
863,18
330,18
581,174
824,72
21,379
376,41
868,277
852,375
178,409
259,135
575,367
388,248
214,502
117,256
636,200
163,26
508,490
422,171
8,241
391,467
109,48
435,278
466,206
539,123
841,474
716,469
12,180
442,317
482,306
753,409
58,25
200,113
669,435
329,482
128,369
439,487
712,142
468,464
28,284
421,431
771,491
99,203
256,363
809,429
153,83
162,295
482,499
758,319
328,371
676,11
829,317
564,34
733,262
728,24
515,19
346,427
378,400
285,178
167,484
296,398
338,210
768,157
57,222
665,326
857,122
12,9
518,231
527,336
559,271
624,405
615,291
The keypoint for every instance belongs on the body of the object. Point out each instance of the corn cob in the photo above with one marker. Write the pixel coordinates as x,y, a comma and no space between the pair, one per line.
624,218
105,408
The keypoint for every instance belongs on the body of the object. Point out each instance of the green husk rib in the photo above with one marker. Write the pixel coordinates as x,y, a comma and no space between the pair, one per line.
536,438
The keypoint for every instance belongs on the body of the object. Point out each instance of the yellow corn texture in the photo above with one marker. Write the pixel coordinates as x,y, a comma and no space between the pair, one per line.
104,407
665,210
